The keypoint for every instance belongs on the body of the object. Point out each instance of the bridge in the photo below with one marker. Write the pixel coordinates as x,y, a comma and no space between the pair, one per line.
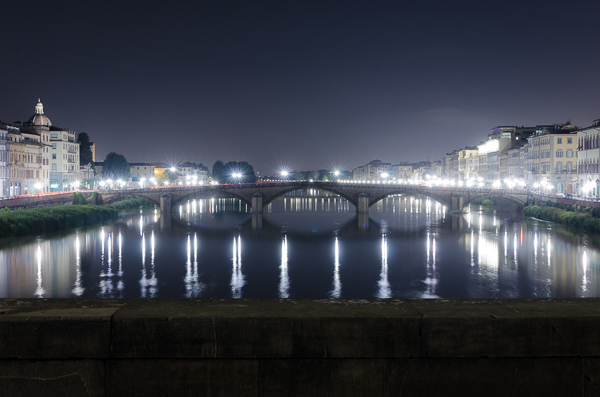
361,195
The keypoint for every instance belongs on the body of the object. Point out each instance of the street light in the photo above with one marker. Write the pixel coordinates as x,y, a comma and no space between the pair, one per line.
236,176
76,185
284,174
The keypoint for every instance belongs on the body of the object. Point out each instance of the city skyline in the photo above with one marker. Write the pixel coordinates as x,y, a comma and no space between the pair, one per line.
301,86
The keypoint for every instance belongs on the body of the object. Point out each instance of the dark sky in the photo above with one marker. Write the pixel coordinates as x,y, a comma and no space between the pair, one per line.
303,84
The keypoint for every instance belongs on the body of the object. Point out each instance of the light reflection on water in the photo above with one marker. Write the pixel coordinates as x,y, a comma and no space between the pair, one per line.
307,247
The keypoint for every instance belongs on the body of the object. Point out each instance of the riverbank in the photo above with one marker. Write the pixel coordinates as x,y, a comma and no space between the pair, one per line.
23,222
581,220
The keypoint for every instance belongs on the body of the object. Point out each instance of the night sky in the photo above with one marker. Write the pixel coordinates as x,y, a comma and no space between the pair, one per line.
303,85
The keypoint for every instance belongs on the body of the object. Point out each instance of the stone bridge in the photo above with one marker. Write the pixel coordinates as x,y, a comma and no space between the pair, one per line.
361,195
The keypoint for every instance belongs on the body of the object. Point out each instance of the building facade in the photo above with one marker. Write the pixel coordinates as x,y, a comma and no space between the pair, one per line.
552,159
588,160
5,158
372,170
64,159
25,163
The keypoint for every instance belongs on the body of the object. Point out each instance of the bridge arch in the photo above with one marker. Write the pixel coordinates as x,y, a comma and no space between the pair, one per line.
120,197
400,190
192,195
272,198
500,200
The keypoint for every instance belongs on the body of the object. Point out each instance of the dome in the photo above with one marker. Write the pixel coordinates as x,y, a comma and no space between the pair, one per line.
39,118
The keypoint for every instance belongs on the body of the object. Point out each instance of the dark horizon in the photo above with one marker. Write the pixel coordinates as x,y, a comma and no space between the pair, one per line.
299,85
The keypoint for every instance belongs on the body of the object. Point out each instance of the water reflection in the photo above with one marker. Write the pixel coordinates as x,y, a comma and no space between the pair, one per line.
336,292
432,254
237,277
78,289
193,287
384,291
284,280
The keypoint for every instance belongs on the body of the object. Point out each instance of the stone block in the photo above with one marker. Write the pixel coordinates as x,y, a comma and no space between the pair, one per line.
208,377
243,328
52,378
323,377
484,377
472,328
56,328
561,327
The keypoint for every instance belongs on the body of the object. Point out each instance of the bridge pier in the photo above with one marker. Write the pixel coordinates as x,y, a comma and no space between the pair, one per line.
363,203
457,203
257,203
165,205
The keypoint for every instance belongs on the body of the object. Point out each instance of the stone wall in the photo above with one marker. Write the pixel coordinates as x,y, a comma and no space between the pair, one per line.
243,347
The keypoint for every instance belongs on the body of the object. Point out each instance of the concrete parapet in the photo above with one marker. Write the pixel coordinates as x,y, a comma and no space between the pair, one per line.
299,347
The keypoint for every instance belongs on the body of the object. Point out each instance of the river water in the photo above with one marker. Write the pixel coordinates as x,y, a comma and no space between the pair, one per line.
307,245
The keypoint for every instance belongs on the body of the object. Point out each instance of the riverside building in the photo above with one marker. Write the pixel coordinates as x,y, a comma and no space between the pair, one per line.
5,159
588,160
551,160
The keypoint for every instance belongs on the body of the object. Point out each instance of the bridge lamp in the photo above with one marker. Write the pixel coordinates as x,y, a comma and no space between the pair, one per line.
76,184
497,185
285,174
173,169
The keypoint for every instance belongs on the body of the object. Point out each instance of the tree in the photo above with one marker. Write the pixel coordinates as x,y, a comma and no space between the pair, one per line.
222,173
218,171
116,167
85,149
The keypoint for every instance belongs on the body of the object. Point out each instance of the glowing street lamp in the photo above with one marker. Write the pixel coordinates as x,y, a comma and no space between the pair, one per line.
236,176
142,181
285,174
76,185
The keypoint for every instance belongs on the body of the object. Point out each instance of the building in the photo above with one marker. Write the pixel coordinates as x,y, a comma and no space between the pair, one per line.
516,162
64,159
588,160
5,130
492,150
402,171
375,169
465,163
551,160
141,172
25,154
192,173
39,124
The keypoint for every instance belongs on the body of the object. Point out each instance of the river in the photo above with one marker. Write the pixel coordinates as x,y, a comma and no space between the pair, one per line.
308,244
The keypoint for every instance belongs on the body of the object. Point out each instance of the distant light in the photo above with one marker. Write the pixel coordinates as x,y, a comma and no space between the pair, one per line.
173,169
336,172
284,173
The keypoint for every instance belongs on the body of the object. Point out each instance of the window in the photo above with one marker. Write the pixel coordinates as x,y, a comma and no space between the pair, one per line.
559,153
569,140
53,156
54,146
569,167
53,135
559,168
53,166
559,140
569,152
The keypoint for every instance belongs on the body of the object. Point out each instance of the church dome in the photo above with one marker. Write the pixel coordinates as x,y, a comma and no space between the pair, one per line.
39,118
